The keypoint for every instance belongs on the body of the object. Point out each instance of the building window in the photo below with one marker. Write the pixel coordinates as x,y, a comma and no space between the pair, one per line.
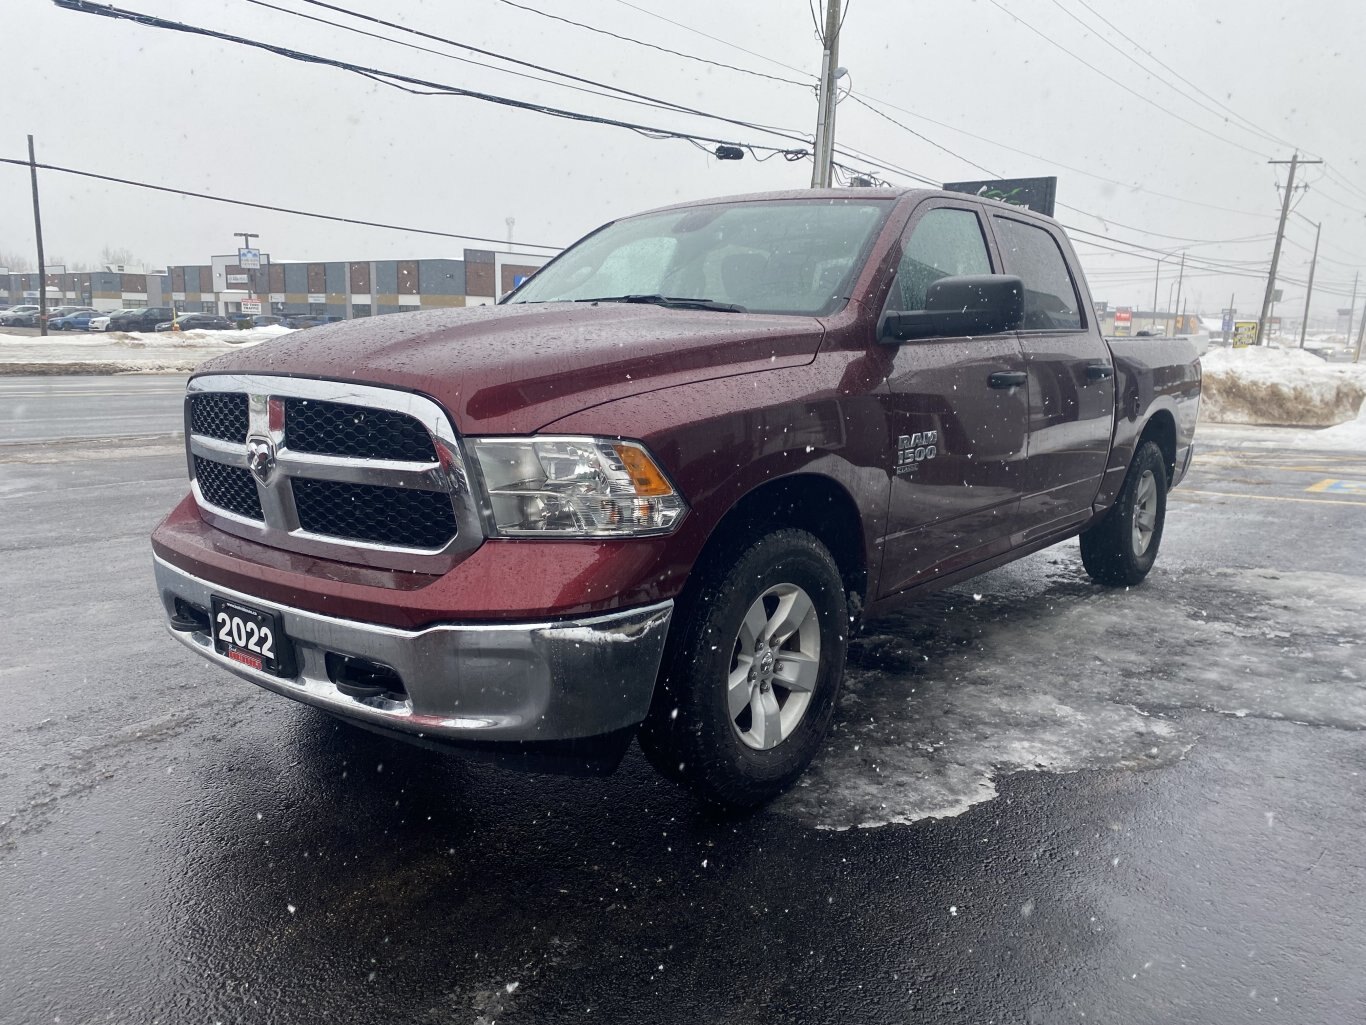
360,310
209,307
317,309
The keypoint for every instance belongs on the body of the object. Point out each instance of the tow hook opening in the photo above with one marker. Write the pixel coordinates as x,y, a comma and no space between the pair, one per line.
363,679
190,618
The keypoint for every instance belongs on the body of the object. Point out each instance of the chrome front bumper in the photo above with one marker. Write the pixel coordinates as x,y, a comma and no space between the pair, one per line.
518,682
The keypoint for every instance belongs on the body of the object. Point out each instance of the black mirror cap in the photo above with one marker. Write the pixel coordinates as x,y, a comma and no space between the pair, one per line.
960,307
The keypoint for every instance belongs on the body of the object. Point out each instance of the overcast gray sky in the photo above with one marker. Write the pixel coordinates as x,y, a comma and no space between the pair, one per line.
200,114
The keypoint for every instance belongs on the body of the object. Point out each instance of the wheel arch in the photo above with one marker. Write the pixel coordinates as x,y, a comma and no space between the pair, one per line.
1161,429
813,502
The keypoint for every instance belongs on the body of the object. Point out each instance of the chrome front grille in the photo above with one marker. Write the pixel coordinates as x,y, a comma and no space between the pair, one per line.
228,487
221,415
366,512
337,429
350,472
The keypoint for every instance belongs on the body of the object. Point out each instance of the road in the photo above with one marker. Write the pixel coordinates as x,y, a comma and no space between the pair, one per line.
42,408
1042,801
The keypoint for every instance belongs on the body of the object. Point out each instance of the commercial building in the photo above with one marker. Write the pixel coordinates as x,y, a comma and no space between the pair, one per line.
344,289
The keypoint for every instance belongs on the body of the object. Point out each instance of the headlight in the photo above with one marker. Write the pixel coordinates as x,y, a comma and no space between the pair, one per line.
574,487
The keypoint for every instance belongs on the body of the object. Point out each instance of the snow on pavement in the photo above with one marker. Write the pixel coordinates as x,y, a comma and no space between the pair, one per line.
965,687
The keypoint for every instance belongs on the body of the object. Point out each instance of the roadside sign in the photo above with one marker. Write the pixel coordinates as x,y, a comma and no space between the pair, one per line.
1244,333
1038,194
249,259
1123,315
251,305
1227,326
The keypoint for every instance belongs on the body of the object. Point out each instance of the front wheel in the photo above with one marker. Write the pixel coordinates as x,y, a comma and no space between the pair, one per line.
752,671
1121,548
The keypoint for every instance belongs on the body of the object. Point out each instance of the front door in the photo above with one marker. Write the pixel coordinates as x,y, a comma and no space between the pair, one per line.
956,409
1071,382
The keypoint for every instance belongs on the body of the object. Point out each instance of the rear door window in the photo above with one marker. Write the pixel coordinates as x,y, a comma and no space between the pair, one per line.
1050,299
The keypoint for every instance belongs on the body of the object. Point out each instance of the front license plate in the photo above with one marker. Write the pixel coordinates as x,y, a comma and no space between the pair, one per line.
251,637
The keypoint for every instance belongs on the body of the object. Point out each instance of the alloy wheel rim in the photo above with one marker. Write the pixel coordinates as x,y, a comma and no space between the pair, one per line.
1145,512
775,662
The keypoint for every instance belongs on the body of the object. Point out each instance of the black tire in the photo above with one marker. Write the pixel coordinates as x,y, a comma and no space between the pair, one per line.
690,735
1118,551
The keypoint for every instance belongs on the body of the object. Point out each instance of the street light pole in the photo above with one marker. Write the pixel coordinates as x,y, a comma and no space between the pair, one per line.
38,232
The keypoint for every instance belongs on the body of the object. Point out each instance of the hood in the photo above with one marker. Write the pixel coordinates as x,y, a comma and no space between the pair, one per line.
513,369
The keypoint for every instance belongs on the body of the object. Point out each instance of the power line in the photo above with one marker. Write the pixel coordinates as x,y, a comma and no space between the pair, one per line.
925,138
1134,61
272,208
1171,70
398,81
456,57
1114,81
716,39
654,46
528,64
1055,163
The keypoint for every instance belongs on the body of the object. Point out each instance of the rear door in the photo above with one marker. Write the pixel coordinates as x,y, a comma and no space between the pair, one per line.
1071,379
956,411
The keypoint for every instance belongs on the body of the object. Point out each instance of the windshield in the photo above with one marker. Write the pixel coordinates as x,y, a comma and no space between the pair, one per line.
783,256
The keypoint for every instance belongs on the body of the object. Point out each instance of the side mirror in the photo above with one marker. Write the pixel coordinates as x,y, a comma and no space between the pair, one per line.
960,307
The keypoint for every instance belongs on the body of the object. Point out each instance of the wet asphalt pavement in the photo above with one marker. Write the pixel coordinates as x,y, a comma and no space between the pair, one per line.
1042,802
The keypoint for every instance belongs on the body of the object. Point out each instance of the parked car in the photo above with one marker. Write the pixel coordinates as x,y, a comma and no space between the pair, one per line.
24,315
58,312
653,492
145,319
304,320
198,322
78,320
100,322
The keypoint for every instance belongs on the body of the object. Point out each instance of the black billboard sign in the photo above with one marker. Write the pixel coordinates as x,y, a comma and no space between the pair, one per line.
1038,194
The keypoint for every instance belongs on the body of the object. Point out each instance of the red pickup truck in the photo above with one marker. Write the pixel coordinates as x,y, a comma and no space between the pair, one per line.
653,490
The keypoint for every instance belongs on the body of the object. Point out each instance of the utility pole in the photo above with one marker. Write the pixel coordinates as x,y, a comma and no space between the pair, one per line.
1263,337
1157,276
38,232
1228,334
1352,306
1360,333
825,115
1309,293
1179,278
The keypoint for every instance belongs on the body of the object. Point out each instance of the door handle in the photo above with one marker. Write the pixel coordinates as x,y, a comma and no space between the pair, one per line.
1099,372
1007,379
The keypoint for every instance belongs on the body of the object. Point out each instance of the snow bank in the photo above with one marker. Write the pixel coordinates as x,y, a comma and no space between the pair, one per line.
1279,387
117,352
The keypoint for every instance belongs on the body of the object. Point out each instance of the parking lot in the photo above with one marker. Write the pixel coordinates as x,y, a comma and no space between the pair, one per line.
1042,800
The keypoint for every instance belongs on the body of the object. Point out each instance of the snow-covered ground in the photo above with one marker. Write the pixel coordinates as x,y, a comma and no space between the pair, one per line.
966,687
120,352
1289,387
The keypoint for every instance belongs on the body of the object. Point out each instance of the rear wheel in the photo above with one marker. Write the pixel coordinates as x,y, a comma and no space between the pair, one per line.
752,671
1121,548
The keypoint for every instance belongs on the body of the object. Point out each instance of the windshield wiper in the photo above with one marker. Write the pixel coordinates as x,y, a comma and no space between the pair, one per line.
670,302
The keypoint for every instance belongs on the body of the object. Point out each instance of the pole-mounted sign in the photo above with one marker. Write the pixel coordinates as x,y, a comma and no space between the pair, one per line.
1038,194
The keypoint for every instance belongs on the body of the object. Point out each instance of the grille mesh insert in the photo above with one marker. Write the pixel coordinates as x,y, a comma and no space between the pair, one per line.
362,432
219,414
228,487
380,515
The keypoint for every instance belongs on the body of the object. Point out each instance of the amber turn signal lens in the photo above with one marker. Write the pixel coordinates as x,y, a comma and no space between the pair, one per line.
649,482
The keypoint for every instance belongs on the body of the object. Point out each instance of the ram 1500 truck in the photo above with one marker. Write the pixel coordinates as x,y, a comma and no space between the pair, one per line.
654,489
